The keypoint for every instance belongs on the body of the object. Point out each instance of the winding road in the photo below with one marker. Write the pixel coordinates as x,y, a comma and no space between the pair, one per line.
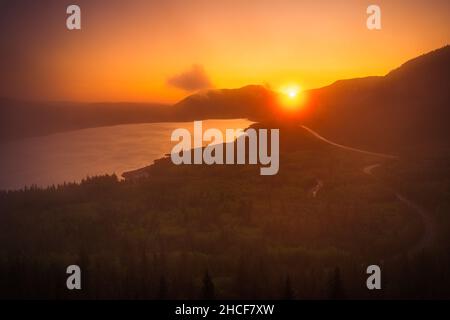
314,190
381,155
429,234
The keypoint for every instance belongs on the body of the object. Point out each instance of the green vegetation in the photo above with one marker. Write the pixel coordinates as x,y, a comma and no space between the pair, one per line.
220,232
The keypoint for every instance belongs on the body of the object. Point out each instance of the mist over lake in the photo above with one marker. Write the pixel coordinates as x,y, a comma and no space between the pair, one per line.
72,156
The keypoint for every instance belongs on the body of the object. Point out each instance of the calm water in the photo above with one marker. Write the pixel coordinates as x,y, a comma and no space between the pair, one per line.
72,156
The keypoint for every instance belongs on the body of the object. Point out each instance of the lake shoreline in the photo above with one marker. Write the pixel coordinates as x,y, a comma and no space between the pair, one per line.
70,157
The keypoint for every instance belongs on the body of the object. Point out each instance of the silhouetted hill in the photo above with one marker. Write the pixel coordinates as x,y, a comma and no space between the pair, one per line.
20,119
410,105
253,102
24,119
428,72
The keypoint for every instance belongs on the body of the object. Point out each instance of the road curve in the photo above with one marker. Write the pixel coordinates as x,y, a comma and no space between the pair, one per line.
429,234
382,155
368,169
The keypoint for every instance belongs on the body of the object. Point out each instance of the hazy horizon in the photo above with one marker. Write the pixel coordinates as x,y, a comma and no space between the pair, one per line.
134,52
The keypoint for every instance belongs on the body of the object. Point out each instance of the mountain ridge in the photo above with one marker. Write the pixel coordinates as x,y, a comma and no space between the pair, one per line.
413,97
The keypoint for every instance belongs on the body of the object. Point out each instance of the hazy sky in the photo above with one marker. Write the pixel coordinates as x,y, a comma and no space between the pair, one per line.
144,50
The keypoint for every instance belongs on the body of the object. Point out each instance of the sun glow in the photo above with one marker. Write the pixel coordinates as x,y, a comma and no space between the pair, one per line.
291,96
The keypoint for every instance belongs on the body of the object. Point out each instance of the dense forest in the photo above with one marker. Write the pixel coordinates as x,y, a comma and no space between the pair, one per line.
222,232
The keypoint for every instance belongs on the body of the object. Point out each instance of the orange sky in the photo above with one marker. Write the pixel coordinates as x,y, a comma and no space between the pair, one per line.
127,50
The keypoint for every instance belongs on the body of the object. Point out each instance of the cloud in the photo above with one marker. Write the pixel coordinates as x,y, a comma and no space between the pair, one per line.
192,80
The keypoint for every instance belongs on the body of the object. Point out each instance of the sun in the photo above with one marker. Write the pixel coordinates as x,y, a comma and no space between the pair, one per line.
291,96
292,93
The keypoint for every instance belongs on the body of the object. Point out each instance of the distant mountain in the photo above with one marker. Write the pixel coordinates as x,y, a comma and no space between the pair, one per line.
20,119
428,73
253,102
410,105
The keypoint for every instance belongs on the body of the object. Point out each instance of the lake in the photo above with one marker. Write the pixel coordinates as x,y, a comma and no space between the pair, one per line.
72,156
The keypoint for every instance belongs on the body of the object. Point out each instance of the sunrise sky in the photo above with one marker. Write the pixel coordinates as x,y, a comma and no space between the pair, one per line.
143,50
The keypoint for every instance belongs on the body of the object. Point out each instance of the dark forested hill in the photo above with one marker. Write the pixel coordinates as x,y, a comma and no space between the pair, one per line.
407,106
